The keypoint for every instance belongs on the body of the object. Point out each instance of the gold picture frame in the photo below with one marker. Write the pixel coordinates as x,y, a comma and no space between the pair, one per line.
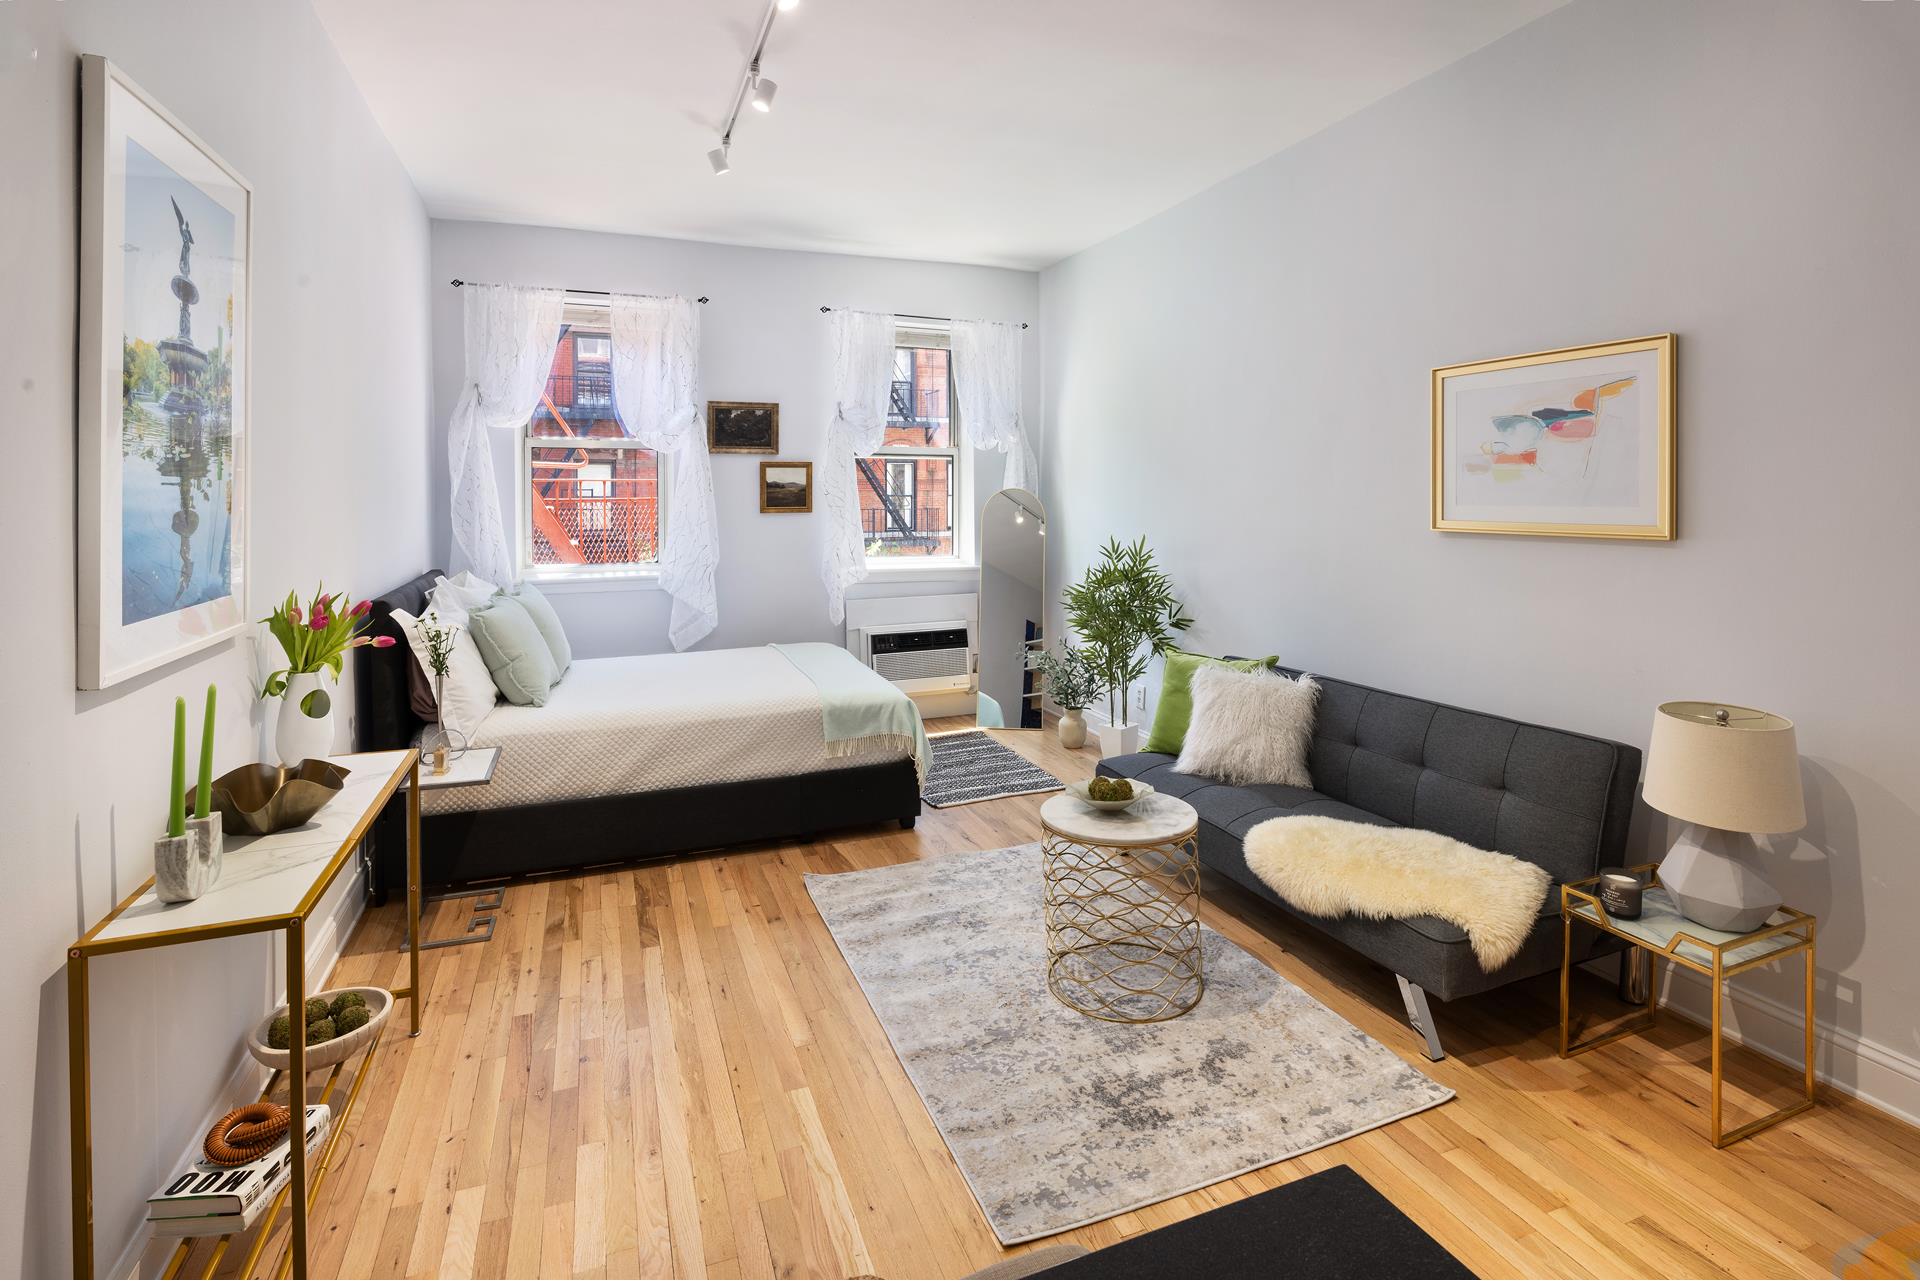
1606,419
743,427
784,502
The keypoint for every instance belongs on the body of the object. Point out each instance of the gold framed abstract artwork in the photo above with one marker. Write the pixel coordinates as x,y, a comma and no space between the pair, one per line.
1575,443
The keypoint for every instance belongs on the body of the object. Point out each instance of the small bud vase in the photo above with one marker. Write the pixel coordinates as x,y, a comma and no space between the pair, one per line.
1073,729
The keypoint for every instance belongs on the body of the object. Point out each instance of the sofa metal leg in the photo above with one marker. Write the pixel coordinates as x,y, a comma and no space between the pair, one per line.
1421,1017
1634,977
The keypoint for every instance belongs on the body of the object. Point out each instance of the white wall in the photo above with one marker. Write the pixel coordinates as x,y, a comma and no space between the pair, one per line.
339,486
1243,379
762,338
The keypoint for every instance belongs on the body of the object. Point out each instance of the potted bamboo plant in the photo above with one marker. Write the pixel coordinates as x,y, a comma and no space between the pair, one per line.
1123,612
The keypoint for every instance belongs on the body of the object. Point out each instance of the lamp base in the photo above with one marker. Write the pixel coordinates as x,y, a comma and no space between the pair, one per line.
1713,885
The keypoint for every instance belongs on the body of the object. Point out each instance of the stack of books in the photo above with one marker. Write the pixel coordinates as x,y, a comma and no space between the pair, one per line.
206,1199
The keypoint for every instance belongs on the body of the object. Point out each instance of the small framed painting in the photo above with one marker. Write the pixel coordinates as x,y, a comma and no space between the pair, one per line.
742,427
166,232
786,487
1577,442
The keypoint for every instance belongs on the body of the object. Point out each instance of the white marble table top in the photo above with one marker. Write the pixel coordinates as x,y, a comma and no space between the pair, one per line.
472,768
269,876
1660,922
1157,820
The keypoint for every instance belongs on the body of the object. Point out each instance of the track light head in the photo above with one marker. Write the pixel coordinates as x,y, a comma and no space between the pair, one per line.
763,91
718,159
786,6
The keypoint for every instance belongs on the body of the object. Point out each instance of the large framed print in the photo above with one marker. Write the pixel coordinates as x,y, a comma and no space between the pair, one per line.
165,351
1577,442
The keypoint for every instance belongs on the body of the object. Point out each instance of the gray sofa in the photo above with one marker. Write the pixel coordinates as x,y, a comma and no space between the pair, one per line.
1555,798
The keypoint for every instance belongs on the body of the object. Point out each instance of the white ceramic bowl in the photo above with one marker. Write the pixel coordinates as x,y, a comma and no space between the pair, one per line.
1079,792
327,1053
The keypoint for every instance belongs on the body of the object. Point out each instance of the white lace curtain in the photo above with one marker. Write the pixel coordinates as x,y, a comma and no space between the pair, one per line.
862,379
656,387
511,331
986,375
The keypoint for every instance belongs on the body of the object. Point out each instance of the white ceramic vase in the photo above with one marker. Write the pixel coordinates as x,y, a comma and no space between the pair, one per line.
1120,740
1073,729
306,719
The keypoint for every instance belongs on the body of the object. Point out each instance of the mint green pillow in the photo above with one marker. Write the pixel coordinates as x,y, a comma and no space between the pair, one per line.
1174,710
541,611
517,655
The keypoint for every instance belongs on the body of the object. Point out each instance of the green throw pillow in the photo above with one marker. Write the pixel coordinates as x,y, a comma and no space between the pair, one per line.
517,655
541,611
1174,711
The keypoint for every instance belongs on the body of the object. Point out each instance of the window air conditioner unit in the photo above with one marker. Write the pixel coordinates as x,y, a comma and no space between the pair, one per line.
921,658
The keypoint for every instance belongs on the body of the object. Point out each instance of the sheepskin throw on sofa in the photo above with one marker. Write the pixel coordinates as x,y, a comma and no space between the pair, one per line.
1330,867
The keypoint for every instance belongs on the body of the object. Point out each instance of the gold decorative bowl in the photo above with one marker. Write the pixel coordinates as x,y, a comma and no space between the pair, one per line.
259,798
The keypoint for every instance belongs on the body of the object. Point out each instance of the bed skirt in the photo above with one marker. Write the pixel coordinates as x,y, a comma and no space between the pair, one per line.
491,845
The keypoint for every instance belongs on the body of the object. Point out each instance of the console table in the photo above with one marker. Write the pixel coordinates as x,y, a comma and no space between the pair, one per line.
1663,933
267,883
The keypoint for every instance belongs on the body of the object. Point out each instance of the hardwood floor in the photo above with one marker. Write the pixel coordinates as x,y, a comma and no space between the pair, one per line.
667,1070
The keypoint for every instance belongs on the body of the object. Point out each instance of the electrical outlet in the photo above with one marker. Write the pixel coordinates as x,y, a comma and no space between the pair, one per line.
1140,698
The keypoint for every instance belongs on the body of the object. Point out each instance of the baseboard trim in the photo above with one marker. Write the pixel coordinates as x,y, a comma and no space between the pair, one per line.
147,1256
1875,1074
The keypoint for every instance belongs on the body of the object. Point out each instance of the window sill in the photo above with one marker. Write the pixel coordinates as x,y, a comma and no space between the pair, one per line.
644,580
919,571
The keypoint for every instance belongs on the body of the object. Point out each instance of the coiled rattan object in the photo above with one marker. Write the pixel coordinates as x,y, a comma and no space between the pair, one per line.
247,1133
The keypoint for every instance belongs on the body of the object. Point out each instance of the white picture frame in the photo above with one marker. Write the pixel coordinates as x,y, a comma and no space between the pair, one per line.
164,414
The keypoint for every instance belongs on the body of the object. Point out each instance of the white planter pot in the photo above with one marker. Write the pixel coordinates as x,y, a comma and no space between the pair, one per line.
306,720
1120,740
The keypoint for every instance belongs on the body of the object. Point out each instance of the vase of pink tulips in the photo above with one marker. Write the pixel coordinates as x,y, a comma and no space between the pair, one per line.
316,638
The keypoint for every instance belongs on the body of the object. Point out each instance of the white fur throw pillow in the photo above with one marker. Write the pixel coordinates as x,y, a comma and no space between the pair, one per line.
1330,867
1250,727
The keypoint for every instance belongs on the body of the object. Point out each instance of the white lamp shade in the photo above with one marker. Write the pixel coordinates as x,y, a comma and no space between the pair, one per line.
1734,768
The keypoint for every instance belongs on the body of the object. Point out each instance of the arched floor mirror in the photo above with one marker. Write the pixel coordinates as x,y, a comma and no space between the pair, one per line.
1013,560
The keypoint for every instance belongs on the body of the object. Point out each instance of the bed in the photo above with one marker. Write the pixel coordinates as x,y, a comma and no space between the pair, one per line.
631,758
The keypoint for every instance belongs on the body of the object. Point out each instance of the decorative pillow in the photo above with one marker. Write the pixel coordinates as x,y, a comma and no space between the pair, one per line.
454,598
1174,709
1250,727
541,611
518,657
469,693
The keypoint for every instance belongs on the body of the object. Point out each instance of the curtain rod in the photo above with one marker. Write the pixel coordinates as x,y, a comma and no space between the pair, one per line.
597,293
908,315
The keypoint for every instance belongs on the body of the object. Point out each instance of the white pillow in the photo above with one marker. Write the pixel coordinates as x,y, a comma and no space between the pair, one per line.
454,598
1250,727
469,693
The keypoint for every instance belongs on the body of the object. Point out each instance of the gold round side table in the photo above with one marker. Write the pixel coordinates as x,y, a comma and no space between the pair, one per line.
1122,908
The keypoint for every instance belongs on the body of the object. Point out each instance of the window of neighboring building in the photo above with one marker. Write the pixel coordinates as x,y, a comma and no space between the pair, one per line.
590,495
911,495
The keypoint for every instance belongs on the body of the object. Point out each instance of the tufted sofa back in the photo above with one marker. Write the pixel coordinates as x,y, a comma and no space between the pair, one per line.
1554,798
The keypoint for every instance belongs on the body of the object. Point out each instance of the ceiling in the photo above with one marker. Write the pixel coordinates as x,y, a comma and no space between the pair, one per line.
1003,132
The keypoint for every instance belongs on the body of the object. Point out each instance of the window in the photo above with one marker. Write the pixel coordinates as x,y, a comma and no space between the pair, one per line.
911,493
590,496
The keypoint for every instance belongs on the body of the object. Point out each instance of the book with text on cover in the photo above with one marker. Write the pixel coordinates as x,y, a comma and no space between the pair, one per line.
204,1190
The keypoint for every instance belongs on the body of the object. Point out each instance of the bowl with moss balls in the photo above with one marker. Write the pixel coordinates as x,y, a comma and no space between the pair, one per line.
1110,794
338,1022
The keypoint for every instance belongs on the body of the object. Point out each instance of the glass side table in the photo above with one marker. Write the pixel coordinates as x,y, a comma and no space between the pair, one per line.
1662,932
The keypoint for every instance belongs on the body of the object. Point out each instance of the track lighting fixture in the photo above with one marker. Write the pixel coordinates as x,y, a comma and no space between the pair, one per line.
752,87
763,91
718,159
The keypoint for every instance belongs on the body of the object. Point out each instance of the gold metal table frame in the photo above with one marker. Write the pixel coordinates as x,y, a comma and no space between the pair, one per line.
1719,961
300,1190
1123,925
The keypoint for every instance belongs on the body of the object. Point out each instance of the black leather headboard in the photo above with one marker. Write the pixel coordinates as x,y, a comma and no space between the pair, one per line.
386,719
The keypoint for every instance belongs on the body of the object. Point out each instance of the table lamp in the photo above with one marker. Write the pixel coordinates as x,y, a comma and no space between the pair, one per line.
1726,772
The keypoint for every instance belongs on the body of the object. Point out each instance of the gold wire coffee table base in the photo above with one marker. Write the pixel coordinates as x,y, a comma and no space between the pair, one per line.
1123,927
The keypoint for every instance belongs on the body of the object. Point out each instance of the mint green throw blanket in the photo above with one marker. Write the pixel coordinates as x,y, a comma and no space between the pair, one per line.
860,710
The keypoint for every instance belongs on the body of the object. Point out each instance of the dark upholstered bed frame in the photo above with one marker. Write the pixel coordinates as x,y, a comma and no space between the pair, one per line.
495,844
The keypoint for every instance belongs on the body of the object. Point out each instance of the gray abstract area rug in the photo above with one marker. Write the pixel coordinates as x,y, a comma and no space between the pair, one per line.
969,766
1059,1120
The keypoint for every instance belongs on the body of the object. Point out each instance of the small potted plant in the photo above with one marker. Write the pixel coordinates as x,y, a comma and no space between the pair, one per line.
316,640
1071,683
1123,612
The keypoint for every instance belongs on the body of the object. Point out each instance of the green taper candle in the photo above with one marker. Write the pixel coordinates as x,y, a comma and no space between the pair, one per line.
203,794
177,800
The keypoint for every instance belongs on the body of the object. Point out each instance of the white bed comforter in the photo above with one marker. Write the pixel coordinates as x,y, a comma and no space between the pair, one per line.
645,722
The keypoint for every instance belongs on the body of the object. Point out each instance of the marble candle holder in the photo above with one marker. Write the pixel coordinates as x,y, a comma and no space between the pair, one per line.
180,872
211,834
